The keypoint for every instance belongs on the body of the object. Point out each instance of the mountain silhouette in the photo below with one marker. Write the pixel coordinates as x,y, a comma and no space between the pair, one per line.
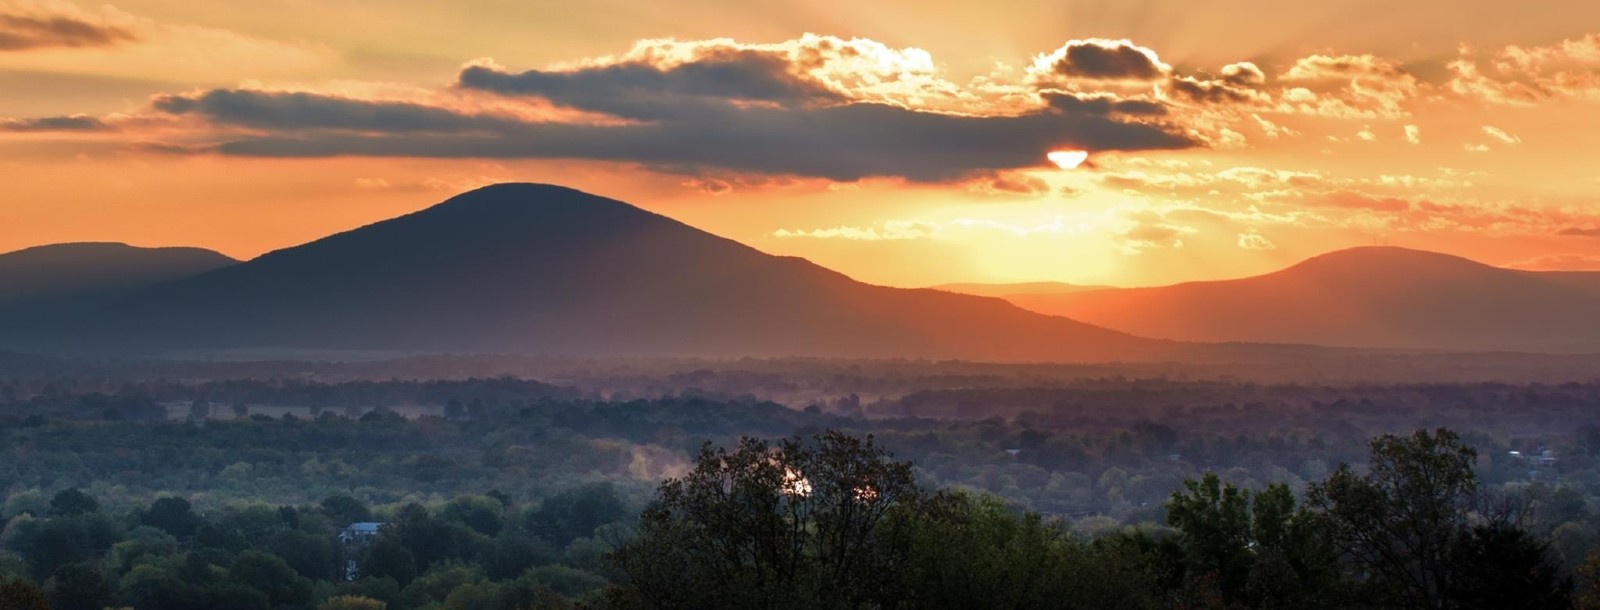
526,268
60,271
1003,290
1372,297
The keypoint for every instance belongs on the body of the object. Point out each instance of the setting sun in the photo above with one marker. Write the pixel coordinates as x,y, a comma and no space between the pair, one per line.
1067,159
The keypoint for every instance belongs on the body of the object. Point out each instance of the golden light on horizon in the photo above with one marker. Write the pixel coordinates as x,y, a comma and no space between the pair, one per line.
1067,159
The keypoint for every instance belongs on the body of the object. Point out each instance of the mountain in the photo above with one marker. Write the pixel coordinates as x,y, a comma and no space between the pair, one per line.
525,268
1003,290
96,269
1377,297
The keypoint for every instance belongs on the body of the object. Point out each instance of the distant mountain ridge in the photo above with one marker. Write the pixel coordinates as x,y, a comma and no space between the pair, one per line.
525,268
1003,290
96,268
1371,297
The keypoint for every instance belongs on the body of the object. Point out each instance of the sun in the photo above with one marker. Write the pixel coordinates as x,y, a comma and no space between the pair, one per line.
1067,159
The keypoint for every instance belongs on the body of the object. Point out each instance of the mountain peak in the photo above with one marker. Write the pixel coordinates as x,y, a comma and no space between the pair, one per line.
530,199
1365,255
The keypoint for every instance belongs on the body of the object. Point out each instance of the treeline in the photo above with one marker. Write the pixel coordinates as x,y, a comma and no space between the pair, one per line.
837,523
829,521
481,551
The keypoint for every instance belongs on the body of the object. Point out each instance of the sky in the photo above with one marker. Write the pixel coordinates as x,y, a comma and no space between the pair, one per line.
902,143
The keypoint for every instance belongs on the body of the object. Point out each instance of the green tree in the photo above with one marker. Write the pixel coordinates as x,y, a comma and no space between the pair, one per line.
345,510
1255,550
272,576
173,515
72,502
1410,531
1399,522
794,525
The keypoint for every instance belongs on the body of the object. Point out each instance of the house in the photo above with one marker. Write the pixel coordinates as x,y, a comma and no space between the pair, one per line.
355,538
359,533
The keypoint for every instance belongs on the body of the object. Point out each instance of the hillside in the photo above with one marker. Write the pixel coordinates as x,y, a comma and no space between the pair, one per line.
1375,297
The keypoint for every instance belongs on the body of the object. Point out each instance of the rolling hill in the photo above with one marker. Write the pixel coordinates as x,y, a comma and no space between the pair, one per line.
525,268
1374,297
82,269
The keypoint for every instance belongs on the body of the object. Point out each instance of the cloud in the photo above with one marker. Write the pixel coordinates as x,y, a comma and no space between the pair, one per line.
1103,59
299,111
647,91
1243,74
845,143
1520,75
1149,230
691,108
1100,104
1348,86
1211,91
1501,135
1413,134
1340,67
76,122
1015,184
21,31
894,230
59,37
1254,241
1580,231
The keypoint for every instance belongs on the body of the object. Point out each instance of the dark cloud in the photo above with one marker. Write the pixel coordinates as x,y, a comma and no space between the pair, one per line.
1243,74
1208,91
1108,60
22,32
307,111
645,91
1101,104
1580,232
838,142
77,122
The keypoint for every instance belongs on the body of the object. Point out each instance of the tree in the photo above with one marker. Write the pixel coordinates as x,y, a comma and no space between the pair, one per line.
172,515
200,409
388,558
78,587
795,525
1412,537
1257,550
72,502
270,575
1501,567
577,512
345,510
19,594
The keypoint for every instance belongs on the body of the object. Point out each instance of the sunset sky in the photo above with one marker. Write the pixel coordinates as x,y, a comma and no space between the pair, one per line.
903,143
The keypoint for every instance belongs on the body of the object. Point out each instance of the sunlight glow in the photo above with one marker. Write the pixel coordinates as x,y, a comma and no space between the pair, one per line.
1067,159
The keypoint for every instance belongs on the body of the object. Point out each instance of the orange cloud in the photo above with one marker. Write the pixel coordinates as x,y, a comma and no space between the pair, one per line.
20,31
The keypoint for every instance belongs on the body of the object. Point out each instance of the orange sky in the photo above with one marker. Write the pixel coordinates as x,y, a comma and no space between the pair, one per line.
899,142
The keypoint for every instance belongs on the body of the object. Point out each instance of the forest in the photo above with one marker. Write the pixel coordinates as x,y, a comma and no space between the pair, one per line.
999,489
